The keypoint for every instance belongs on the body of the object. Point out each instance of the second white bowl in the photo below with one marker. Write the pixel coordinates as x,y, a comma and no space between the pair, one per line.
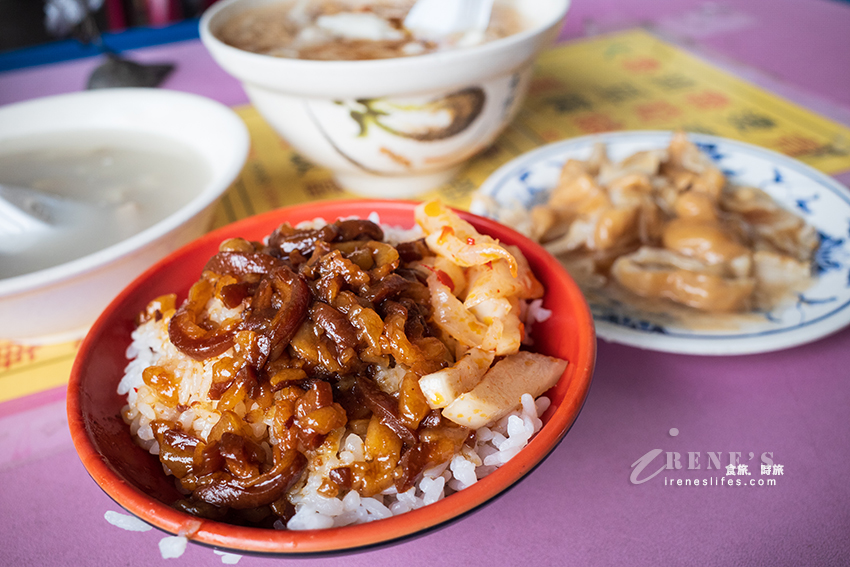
61,301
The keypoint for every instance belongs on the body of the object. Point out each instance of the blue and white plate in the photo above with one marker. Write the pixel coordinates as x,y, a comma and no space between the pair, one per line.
824,203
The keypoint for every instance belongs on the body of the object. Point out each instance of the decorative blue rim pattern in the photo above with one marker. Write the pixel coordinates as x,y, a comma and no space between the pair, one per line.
823,202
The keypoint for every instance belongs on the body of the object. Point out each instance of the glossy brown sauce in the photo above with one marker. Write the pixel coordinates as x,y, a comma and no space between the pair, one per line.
320,308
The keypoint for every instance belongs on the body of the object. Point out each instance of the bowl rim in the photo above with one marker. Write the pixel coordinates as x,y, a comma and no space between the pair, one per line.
447,57
238,138
351,538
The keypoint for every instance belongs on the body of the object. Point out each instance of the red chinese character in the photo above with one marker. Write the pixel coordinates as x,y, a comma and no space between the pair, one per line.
543,84
797,145
550,135
641,64
658,110
14,353
708,100
592,123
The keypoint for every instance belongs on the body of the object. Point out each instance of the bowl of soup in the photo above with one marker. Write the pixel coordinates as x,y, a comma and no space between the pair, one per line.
133,174
390,112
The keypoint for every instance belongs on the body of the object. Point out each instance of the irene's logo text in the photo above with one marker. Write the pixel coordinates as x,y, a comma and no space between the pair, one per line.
736,464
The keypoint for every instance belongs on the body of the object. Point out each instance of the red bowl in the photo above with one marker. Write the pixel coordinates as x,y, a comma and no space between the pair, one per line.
135,479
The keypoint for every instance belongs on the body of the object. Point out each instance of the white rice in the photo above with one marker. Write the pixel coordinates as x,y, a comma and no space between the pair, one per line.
532,312
494,446
172,547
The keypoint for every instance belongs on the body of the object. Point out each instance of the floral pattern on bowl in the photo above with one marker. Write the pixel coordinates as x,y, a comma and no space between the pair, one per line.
398,135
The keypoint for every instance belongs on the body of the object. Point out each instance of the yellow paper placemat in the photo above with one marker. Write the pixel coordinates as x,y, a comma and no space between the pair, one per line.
624,81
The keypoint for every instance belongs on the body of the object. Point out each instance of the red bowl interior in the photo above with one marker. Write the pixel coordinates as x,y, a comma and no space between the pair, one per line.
135,479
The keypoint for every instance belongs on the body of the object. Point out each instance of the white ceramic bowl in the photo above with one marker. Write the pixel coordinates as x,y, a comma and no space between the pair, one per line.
313,104
60,302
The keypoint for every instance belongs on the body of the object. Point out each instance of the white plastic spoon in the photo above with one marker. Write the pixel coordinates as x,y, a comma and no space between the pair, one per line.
26,215
438,18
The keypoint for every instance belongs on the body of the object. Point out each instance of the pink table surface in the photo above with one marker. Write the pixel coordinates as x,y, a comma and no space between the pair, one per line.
579,507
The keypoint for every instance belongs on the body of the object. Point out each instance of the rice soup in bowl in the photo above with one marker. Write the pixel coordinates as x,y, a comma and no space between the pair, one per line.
351,30
135,478
391,126
116,153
